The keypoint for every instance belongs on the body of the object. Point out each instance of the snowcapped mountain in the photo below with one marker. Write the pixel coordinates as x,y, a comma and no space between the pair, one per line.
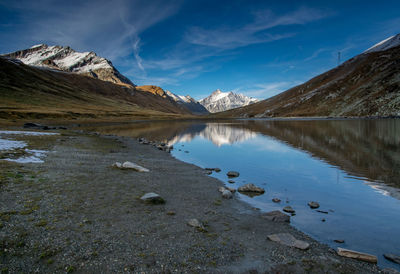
220,101
386,44
190,103
67,59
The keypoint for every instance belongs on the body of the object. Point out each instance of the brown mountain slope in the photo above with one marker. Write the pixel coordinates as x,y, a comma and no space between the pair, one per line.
153,89
29,92
366,85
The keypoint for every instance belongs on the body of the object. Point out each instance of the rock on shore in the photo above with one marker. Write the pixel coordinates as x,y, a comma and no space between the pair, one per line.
129,165
288,240
251,188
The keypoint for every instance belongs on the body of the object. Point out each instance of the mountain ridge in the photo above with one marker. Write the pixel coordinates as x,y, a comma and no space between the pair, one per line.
188,102
219,101
64,58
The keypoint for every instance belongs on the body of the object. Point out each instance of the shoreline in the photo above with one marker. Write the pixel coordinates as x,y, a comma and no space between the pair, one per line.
133,119
96,221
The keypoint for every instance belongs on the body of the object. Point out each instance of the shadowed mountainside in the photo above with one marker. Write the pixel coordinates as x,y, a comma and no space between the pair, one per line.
366,85
33,92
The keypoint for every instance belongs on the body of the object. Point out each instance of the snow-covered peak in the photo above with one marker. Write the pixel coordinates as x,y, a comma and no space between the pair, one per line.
386,44
176,98
185,98
190,103
221,101
218,95
67,59
63,58
180,98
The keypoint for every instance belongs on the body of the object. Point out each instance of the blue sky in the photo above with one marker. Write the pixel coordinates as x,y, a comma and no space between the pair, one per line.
258,48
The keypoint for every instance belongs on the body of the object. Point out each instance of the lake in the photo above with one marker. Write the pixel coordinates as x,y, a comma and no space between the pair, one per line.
350,167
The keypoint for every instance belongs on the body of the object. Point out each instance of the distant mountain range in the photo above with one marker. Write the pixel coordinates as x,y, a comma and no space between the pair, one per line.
67,59
216,102
220,101
63,58
60,81
366,85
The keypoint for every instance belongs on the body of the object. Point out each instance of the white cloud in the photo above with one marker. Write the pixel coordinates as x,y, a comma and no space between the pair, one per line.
254,32
110,28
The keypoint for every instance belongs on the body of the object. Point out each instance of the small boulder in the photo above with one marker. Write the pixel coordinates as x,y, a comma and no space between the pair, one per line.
196,224
227,194
392,257
231,181
313,205
217,169
208,172
152,198
289,209
232,174
288,240
223,188
276,200
276,216
117,165
231,189
129,165
251,188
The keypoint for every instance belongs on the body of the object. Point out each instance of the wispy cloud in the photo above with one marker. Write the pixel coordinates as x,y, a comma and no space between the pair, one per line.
266,90
111,28
254,32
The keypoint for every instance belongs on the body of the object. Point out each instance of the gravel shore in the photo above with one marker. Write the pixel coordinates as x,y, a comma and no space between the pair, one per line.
75,213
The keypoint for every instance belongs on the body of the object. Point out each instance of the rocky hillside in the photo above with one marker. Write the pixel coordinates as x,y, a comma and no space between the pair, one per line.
67,59
33,92
366,85
220,101
190,103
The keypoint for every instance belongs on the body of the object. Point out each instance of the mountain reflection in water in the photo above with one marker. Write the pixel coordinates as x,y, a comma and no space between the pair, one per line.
368,149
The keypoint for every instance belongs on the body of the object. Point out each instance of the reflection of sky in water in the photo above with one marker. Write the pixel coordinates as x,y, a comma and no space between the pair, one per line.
358,211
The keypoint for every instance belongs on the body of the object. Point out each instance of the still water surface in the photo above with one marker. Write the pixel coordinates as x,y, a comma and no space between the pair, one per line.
351,167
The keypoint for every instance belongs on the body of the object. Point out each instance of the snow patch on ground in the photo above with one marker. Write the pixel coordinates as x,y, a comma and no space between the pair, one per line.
32,155
34,158
10,145
31,133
